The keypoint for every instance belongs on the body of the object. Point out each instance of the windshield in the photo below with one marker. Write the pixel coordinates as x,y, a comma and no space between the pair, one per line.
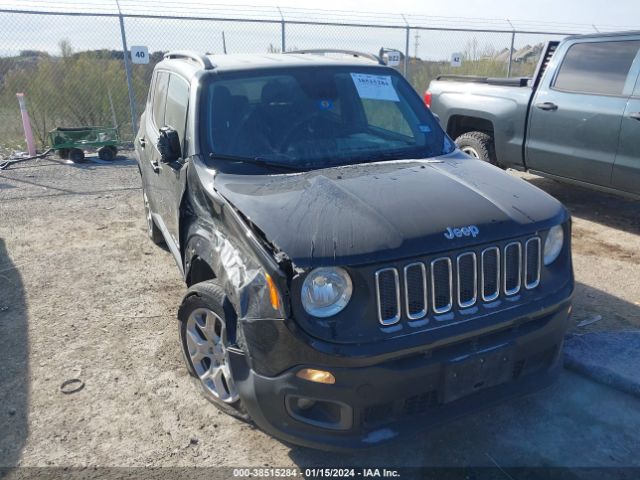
311,117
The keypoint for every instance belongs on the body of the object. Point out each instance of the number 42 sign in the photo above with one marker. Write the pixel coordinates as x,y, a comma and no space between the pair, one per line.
139,54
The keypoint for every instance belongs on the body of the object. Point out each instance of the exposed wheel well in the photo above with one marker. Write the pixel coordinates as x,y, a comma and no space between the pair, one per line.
199,272
460,124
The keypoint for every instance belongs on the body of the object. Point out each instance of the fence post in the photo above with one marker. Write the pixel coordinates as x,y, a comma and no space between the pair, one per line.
127,69
282,32
513,38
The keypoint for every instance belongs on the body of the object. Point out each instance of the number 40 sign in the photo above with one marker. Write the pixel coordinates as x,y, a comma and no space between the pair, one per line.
139,54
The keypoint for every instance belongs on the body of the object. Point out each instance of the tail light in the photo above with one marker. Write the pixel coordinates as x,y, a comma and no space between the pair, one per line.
427,98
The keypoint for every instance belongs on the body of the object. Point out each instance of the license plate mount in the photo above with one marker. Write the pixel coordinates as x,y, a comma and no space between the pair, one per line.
478,371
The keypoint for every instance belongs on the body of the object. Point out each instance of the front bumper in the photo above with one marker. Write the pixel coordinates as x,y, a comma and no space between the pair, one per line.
373,404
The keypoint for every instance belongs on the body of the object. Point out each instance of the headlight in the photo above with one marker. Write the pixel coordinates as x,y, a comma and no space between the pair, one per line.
326,291
553,244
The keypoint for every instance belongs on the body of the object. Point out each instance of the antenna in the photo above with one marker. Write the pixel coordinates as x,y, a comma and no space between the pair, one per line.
224,43
416,44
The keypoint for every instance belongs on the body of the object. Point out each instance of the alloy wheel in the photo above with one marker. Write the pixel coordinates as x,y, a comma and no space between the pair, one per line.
207,348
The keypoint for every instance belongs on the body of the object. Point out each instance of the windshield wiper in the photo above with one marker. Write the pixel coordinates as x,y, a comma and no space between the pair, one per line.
254,161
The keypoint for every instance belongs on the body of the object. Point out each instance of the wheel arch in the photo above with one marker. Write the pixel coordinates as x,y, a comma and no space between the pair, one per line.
461,124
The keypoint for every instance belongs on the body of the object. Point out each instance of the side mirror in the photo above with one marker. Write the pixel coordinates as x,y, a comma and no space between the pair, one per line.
169,145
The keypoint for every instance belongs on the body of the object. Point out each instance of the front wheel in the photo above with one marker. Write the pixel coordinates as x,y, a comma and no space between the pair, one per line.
107,153
478,145
76,155
207,325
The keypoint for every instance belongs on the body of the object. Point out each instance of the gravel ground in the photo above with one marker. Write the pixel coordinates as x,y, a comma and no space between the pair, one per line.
85,295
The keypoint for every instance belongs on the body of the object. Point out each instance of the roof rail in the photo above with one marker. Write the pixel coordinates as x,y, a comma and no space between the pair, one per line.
353,53
203,60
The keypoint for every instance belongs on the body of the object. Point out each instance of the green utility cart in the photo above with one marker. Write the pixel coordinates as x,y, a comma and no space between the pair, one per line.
72,142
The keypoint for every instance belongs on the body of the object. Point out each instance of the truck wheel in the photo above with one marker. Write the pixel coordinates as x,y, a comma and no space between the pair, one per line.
106,153
152,229
76,155
207,325
478,145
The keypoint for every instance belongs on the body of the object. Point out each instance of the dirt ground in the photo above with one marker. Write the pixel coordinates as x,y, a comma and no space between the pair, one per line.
84,294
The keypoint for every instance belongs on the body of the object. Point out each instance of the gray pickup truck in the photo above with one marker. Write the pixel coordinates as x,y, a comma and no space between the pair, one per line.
577,119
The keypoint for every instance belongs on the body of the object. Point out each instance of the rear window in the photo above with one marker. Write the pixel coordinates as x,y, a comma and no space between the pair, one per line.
597,67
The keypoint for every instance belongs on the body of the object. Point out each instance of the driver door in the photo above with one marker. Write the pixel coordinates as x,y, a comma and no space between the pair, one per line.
172,175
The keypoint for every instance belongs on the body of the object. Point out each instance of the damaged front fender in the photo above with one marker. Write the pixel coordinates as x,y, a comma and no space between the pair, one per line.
218,236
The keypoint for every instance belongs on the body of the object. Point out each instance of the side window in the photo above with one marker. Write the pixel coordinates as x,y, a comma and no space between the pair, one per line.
159,98
177,105
597,67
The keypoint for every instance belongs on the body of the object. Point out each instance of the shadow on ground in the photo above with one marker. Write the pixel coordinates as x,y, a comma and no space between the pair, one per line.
14,362
603,208
590,303
574,423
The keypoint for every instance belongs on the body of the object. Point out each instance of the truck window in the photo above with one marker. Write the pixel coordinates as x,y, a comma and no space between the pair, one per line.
177,104
159,98
597,67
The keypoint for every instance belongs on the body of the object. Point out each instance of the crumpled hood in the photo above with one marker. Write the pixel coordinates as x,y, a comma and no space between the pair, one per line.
388,210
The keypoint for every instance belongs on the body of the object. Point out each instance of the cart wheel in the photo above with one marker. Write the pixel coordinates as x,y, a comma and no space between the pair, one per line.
115,150
76,155
106,153
63,153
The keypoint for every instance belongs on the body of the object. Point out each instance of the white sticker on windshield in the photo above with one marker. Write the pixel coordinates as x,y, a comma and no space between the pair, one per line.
375,87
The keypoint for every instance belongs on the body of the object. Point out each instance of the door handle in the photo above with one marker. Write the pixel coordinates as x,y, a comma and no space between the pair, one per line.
635,115
142,141
547,106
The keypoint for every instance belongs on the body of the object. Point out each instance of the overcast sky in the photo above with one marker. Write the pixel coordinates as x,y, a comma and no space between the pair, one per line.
624,13
43,32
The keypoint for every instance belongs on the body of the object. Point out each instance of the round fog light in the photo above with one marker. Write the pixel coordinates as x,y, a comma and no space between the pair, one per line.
318,376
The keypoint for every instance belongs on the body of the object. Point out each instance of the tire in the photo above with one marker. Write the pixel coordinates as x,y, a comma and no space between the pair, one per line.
63,153
478,145
155,234
106,153
207,327
76,155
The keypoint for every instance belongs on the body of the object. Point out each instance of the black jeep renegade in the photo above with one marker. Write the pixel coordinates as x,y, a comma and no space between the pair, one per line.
353,277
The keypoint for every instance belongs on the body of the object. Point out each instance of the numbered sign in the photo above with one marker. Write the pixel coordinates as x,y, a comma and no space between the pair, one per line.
456,59
393,58
139,54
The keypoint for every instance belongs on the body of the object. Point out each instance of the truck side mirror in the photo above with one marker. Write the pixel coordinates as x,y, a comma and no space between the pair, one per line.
169,145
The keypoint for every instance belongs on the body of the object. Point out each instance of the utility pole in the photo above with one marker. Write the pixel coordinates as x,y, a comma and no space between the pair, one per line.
416,44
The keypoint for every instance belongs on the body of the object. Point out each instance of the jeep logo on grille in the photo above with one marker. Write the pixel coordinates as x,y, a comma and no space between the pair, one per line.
470,231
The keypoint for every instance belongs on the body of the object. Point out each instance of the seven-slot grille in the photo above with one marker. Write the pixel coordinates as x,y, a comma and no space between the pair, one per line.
459,281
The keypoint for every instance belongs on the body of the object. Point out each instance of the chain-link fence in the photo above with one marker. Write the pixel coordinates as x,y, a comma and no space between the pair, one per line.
71,66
